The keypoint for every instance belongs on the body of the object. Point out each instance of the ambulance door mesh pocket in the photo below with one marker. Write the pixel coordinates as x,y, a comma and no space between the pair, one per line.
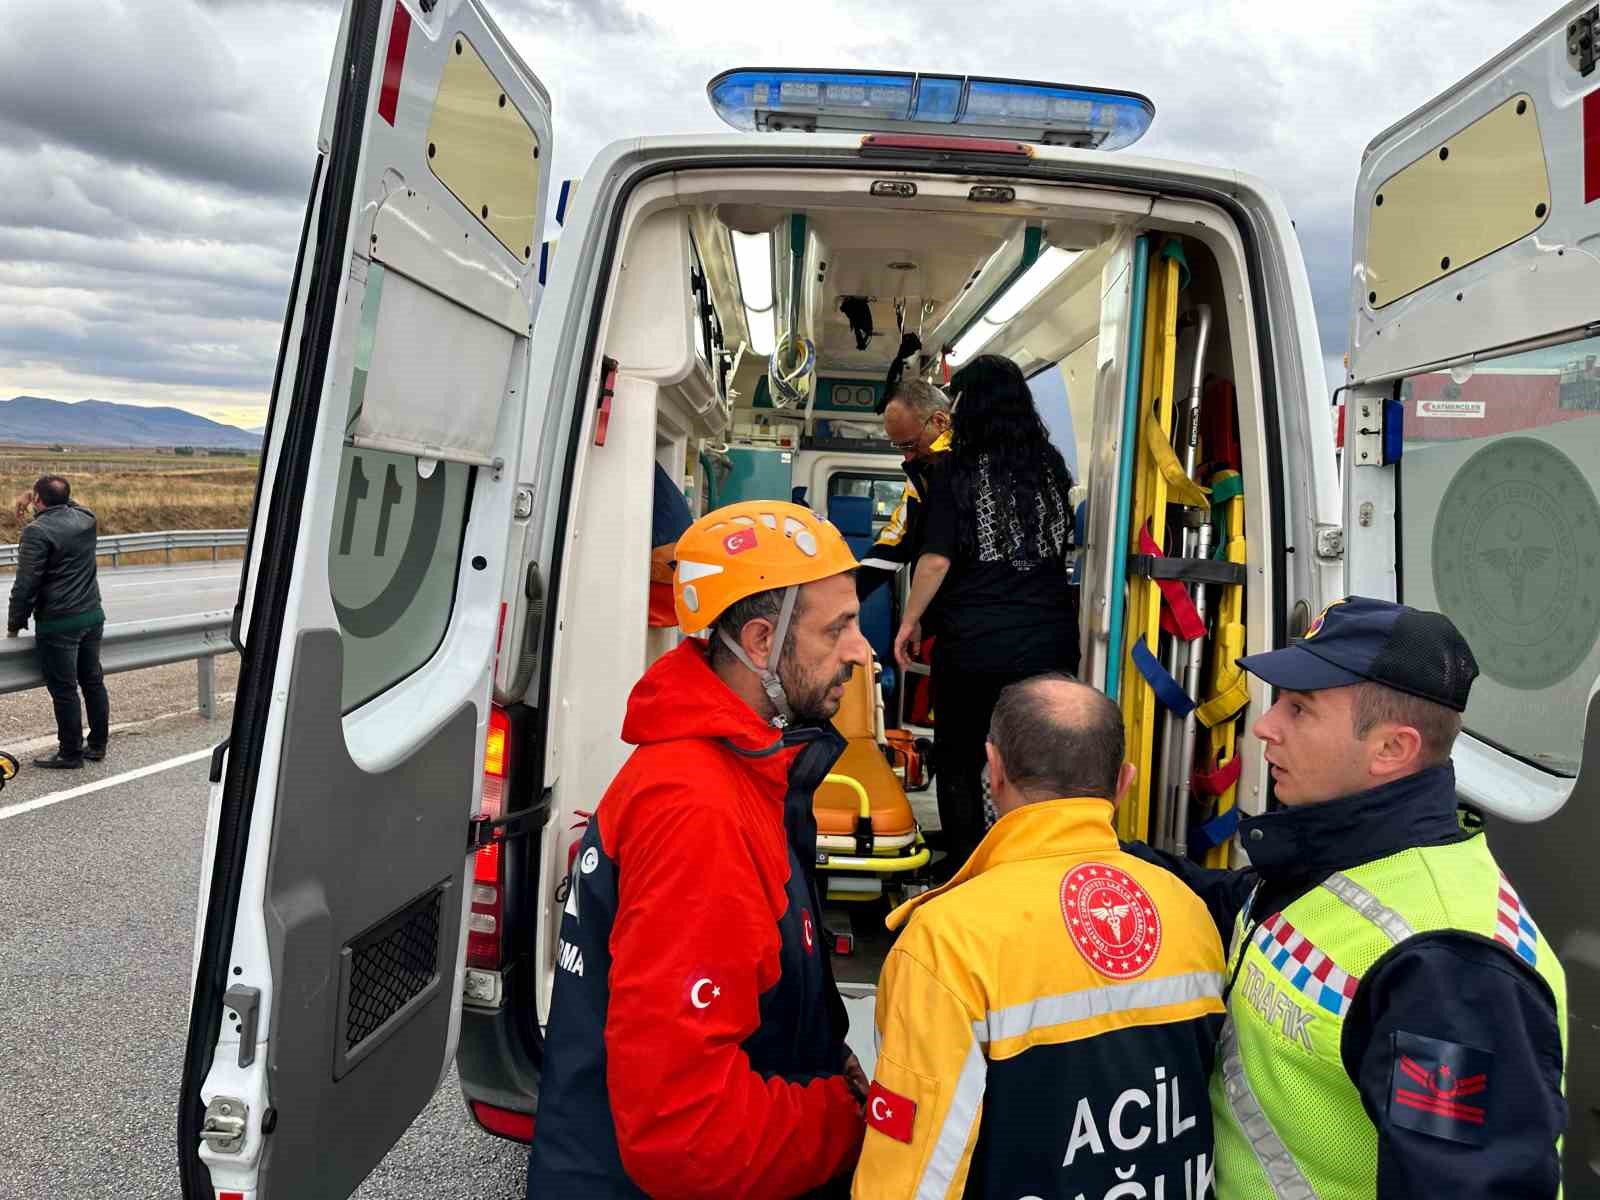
386,972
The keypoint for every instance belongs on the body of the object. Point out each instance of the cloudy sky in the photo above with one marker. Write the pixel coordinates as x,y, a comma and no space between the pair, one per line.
155,154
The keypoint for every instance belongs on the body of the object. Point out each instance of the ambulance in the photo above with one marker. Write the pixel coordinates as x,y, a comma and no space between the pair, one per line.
446,596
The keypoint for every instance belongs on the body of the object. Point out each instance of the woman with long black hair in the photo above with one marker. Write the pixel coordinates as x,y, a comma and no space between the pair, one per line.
991,583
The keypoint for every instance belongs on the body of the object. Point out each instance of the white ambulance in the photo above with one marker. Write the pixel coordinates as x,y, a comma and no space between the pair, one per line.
445,600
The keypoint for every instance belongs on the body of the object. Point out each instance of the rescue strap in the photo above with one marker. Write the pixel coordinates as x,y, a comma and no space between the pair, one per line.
1186,622
1167,689
1153,565
1219,778
1232,695
1180,488
1215,831
1229,488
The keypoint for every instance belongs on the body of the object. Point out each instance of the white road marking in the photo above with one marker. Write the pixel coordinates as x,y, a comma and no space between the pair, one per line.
27,806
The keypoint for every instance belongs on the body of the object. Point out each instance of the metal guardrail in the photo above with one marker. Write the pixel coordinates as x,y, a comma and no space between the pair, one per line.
114,546
134,645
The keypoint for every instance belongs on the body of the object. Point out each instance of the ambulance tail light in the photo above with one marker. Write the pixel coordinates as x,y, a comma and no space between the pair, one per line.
486,917
503,1122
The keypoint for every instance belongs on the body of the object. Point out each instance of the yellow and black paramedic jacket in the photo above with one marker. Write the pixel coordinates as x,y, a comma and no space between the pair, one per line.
1046,1024
901,540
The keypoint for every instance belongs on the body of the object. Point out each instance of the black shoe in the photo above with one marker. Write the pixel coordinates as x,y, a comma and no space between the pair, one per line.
94,753
56,763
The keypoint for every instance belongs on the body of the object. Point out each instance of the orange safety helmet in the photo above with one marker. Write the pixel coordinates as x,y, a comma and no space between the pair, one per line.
749,547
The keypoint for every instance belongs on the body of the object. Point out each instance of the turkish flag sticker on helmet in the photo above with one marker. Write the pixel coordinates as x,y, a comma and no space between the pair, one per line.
1440,1088
738,543
890,1113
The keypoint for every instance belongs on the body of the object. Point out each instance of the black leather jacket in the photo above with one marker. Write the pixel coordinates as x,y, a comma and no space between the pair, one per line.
56,574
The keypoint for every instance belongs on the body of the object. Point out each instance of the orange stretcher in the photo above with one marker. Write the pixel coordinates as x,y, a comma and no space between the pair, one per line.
867,835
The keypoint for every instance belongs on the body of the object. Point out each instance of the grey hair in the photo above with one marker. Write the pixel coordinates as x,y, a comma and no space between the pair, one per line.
1053,750
921,397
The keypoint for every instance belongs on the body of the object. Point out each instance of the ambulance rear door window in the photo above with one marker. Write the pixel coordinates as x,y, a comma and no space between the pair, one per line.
1500,529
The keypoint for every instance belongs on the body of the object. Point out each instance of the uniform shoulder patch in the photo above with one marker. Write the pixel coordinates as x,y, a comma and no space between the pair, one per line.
1111,919
1440,1088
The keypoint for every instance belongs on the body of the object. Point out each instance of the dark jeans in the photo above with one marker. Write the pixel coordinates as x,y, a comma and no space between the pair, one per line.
963,703
71,661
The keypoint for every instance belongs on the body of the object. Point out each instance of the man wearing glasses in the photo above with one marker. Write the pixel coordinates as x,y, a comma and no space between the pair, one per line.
917,423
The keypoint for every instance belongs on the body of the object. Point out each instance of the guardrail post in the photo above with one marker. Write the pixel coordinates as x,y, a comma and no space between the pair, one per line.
208,685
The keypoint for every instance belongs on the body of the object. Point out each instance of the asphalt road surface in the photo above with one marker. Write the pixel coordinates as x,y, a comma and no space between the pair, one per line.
139,593
97,909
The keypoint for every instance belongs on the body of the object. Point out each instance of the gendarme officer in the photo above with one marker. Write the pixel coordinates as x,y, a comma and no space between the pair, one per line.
1396,1023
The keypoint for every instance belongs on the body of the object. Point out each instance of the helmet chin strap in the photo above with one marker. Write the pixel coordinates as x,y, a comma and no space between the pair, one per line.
770,683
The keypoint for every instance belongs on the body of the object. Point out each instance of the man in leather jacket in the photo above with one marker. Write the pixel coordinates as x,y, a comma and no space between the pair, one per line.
58,590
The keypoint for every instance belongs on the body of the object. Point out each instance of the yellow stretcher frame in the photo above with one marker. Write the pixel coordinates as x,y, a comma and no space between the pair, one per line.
1149,511
1226,674
889,861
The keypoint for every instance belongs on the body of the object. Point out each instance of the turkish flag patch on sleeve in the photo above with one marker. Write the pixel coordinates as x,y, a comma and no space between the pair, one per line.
890,1114
1440,1088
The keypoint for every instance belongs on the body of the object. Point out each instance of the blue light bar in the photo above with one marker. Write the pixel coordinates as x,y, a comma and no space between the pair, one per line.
780,100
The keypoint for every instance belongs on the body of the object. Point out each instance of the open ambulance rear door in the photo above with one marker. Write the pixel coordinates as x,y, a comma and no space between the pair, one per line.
334,899
1472,462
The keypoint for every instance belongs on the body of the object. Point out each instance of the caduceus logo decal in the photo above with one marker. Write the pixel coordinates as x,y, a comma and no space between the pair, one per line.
1515,562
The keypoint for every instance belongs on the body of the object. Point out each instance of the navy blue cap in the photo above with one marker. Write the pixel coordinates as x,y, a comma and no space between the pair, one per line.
1358,639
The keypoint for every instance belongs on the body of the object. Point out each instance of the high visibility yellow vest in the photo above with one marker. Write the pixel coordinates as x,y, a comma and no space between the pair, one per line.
1289,1121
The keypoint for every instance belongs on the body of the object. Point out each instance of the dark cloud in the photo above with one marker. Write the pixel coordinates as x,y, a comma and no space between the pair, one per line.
154,158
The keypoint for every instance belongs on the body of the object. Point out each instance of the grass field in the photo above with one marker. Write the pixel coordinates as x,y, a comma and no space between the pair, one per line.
133,491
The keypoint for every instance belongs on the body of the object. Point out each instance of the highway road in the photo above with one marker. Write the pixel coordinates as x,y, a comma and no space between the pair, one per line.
97,904
138,593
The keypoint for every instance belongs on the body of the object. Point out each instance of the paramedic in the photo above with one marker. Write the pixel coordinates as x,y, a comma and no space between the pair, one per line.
1047,1018
696,1038
917,423
1396,1023
991,578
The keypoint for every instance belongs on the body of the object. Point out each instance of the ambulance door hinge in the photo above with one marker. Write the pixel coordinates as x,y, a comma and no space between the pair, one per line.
224,1126
1581,34
1330,542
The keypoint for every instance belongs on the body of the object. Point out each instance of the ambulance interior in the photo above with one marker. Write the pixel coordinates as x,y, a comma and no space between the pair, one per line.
716,272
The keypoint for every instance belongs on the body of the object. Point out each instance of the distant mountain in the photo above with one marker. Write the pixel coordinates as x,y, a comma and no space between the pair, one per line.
103,423
259,430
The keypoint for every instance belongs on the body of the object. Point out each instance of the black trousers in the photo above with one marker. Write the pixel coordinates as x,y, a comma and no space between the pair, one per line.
963,703
71,661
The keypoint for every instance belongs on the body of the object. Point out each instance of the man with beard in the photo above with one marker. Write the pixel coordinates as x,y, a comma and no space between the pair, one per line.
696,1037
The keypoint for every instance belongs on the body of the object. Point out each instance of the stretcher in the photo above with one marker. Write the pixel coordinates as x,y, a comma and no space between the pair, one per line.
1143,632
867,835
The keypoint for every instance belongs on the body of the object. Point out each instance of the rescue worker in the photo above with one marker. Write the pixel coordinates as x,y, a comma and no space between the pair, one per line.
696,1037
1046,1020
916,421
1396,1024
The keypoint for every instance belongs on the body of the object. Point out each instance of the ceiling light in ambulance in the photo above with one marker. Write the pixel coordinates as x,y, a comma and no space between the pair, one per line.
774,100
752,257
1051,264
